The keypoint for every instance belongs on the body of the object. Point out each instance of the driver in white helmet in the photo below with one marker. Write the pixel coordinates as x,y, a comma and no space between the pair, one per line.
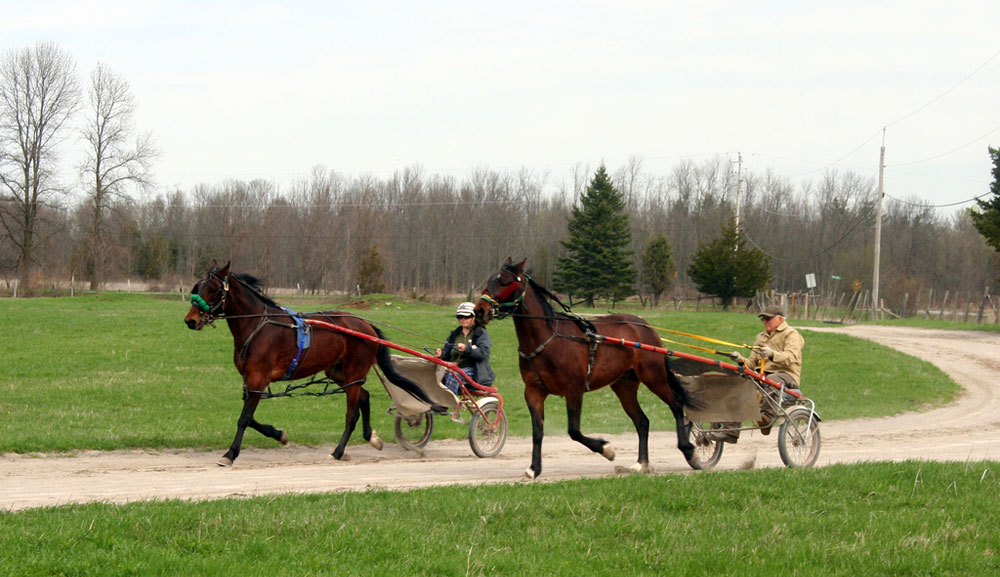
468,346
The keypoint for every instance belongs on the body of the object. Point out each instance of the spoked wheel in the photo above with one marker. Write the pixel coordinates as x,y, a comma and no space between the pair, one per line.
414,432
707,452
798,439
486,442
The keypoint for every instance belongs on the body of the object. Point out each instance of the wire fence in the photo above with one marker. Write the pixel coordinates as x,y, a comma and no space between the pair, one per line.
833,307
853,307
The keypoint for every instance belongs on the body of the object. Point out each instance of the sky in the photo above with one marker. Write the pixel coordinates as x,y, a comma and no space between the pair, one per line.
261,89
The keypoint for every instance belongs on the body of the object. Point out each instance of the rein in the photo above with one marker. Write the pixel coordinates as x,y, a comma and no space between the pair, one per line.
291,389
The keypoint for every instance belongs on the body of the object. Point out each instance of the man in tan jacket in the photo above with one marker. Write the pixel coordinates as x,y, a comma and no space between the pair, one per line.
777,353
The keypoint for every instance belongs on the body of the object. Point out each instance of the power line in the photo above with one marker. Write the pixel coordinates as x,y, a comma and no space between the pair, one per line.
822,251
851,153
946,92
920,109
967,144
920,204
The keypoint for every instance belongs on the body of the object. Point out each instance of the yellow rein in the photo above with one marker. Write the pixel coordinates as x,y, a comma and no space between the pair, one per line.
696,347
701,338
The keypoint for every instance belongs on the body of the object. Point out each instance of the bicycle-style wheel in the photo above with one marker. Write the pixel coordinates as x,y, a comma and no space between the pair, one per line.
484,440
799,439
707,451
414,432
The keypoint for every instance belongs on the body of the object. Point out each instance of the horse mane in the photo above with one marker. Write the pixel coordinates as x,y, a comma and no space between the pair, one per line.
256,286
540,293
543,294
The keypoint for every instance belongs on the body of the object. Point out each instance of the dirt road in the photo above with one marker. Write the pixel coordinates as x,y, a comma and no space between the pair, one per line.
968,429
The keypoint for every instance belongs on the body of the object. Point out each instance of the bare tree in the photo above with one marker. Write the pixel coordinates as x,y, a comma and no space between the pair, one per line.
38,94
114,161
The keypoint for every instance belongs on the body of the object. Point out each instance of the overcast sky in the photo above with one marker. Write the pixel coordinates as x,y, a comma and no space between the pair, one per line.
269,90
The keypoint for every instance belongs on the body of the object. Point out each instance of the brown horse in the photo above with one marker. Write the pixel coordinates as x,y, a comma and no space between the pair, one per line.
560,356
269,346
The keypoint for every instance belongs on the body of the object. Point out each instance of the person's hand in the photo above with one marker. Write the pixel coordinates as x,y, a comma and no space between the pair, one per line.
765,351
460,347
738,358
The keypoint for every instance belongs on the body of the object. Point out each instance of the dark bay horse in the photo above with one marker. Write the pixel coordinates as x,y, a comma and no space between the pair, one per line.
558,357
269,347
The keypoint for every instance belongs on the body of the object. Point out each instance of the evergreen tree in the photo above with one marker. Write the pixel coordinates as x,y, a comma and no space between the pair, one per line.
987,218
727,269
658,268
369,273
598,260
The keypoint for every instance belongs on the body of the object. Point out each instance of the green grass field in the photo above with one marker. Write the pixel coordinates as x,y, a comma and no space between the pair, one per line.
912,518
122,371
116,371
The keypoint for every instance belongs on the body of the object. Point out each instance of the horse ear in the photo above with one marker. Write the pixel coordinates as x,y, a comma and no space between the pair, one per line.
520,265
507,262
225,270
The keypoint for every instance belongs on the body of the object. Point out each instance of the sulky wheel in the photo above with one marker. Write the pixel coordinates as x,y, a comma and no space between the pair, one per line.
486,442
414,432
707,452
799,439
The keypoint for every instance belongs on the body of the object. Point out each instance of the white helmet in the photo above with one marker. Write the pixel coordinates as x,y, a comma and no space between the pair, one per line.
466,309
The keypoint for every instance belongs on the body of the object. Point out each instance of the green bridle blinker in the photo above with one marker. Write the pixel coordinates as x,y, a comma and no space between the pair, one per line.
199,303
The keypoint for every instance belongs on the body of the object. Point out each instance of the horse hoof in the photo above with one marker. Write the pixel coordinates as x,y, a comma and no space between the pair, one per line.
224,462
633,469
376,442
530,473
284,438
340,458
608,452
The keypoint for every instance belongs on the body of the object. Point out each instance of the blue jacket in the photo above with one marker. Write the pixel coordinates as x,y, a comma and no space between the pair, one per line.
479,353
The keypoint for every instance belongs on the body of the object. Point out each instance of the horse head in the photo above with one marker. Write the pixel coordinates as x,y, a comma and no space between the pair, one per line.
208,297
503,292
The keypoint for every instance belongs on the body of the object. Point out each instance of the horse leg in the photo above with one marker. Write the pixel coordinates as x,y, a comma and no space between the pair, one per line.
366,424
675,396
251,398
574,405
269,431
629,399
535,400
353,395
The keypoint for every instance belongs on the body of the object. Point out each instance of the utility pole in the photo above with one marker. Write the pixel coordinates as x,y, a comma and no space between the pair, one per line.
739,187
878,228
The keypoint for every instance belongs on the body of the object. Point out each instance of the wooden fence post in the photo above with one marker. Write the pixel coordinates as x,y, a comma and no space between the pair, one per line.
849,309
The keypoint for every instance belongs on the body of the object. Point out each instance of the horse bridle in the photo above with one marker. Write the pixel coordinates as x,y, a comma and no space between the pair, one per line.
210,312
505,303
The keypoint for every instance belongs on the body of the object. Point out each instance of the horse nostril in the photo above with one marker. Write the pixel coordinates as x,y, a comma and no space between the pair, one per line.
190,323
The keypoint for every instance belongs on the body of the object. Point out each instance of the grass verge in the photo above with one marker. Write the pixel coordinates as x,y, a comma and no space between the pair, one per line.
910,518
118,371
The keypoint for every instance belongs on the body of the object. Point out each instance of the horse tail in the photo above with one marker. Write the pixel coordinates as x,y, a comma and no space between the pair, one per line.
385,363
686,398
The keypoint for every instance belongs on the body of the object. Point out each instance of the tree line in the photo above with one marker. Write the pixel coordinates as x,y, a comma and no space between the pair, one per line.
436,234
419,233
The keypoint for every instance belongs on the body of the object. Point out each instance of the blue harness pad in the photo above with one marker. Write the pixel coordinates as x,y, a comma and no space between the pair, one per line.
303,337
